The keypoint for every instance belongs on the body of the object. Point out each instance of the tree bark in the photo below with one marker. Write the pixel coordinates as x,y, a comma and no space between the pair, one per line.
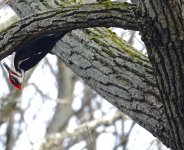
66,19
113,68
163,35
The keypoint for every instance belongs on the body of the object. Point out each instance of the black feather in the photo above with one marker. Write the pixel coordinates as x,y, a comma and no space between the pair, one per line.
32,52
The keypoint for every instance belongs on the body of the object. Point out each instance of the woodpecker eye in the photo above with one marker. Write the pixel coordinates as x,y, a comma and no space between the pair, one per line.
11,78
14,73
14,80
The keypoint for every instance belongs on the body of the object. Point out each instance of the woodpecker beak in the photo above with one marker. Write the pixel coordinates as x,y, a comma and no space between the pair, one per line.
7,67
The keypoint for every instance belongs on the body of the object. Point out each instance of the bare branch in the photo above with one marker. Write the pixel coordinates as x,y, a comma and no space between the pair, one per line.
57,138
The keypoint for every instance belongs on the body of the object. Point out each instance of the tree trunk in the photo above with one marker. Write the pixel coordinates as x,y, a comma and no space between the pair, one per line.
163,34
114,69
66,81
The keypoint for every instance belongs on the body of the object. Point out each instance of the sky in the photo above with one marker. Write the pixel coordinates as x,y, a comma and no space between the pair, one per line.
5,13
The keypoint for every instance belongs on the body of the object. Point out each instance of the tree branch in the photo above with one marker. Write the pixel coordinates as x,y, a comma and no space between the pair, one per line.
66,19
118,73
55,139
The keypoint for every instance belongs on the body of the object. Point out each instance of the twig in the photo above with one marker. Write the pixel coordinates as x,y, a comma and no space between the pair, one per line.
54,139
91,139
151,144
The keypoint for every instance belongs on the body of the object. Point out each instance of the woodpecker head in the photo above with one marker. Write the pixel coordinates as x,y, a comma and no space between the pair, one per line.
15,77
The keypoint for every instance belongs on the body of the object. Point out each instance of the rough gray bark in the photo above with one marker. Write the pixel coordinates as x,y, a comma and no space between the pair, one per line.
114,69
66,19
163,35
125,81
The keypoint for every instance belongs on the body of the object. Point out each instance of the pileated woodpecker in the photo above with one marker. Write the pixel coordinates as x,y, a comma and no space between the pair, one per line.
28,55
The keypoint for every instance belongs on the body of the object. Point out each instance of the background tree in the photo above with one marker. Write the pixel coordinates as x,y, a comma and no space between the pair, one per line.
109,65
